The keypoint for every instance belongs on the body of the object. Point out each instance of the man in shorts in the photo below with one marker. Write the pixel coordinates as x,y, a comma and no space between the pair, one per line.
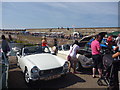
96,55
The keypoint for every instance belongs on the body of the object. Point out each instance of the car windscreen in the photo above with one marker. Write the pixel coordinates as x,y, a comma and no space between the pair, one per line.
36,50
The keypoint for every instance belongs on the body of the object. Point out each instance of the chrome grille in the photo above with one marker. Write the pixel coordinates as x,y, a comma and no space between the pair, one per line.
51,71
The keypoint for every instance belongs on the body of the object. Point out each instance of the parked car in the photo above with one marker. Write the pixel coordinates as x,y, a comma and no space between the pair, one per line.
84,59
38,63
84,54
4,66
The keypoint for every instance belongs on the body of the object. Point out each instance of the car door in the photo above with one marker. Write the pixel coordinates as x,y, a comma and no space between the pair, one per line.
21,60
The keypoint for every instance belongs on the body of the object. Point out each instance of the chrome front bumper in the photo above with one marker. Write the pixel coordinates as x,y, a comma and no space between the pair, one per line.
48,77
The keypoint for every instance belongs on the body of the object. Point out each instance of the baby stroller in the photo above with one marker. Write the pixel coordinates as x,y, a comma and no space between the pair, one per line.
110,71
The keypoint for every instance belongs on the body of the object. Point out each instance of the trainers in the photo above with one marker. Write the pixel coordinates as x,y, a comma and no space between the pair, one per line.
93,76
100,76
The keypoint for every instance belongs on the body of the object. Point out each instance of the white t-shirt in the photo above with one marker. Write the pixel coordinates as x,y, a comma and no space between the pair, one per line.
118,40
73,50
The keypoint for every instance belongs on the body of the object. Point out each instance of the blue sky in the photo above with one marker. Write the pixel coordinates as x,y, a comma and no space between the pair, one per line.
59,14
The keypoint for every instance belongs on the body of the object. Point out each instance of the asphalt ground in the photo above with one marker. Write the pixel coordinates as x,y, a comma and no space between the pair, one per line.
83,80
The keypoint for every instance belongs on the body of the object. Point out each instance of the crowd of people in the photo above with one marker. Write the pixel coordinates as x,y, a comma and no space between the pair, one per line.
95,47
96,53
75,47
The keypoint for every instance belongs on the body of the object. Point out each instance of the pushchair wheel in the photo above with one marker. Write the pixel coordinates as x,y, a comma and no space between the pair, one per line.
103,81
99,82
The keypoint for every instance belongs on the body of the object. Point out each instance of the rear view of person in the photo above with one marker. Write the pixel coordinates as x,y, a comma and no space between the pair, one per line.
73,53
5,46
96,55
44,41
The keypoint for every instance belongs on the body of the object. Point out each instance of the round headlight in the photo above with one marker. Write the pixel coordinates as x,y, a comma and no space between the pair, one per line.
34,69
66,65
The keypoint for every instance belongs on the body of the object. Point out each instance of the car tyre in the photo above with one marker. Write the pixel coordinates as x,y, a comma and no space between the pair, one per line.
27,79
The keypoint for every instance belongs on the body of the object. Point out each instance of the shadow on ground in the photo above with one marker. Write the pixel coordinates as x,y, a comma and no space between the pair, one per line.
16,80
87,71
61,82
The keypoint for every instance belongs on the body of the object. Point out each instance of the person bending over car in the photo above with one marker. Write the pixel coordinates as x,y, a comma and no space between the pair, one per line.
96,55
73,53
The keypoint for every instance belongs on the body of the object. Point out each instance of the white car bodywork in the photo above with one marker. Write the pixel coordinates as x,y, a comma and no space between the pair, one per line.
42,65
83,61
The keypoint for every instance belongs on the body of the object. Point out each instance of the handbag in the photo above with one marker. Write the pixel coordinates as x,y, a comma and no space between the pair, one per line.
68,57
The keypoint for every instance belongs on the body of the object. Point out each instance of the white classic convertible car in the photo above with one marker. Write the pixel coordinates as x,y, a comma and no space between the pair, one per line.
38,63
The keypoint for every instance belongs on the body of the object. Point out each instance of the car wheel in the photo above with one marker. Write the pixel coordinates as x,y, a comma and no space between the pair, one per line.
26,77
